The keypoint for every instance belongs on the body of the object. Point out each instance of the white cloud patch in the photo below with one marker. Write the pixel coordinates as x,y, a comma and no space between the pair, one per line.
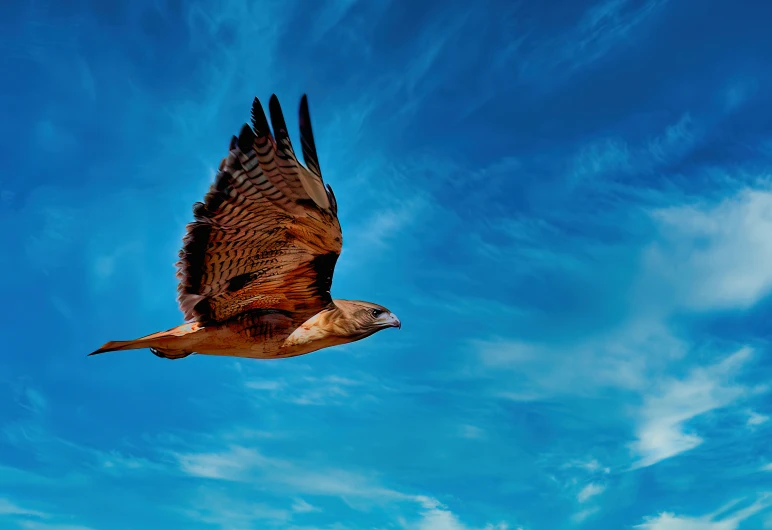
677,139
34,519
358,490
589,491
33,401
10,508
714,256
582,515
624,358
233,464
471,432
436,516
264,385
719,520
755,419
301,506
40,525
305,390
242,464
230,513
662,431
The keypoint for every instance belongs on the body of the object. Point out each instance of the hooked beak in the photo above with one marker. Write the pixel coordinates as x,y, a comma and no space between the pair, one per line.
394,321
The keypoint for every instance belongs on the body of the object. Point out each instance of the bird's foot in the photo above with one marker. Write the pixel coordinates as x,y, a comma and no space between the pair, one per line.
169,354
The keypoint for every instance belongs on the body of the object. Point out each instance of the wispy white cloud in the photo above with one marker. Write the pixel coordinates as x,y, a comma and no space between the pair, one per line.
582,515
723,519
117,463
668,407
586,494
360,491
305,390
436,516
32,400
301,506
243,464
215,507
612,165
264,385
387,224
9,508
755,419
624,358
235,463
589,491
34,519
601,29
714,256
472,432
40,525
678,139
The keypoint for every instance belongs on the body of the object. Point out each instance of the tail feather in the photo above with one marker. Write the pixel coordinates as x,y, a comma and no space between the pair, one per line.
163,344
119,345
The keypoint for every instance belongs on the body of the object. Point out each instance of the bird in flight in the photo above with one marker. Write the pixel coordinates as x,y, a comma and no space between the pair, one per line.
256,266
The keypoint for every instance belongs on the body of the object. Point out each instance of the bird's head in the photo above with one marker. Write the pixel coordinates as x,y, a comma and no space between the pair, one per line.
356,320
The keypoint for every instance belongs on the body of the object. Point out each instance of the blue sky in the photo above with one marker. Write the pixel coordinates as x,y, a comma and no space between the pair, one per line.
568,204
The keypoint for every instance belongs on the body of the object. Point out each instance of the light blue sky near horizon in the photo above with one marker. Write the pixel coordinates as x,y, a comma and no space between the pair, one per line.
568,204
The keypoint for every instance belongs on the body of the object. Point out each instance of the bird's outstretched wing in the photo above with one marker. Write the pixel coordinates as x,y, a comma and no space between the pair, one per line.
267,234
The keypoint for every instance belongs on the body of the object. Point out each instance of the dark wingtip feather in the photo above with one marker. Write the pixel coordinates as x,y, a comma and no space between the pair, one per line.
307,142
277,118
246,138
259,120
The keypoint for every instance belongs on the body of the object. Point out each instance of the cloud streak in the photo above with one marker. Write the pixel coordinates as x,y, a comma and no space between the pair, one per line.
666,410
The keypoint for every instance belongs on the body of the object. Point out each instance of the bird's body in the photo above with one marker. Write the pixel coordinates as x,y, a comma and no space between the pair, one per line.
257,263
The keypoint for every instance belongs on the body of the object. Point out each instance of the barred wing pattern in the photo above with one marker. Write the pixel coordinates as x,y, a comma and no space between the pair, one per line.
267,235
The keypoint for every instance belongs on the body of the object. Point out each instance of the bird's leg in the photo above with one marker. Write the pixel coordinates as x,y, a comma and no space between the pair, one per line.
170,354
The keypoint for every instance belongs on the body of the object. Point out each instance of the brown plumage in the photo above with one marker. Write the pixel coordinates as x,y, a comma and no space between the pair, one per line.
256,266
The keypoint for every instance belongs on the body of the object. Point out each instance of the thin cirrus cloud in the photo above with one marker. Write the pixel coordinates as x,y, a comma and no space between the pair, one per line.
567,207
667,408
728,518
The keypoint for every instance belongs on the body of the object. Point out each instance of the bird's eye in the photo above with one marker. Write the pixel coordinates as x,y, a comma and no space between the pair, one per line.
376,312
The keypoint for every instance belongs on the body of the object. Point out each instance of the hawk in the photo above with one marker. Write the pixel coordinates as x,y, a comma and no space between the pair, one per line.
256,265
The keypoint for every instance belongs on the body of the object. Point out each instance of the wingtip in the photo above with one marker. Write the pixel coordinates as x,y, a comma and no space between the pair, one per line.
274,106
259,119
245,139
304,114
279,125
